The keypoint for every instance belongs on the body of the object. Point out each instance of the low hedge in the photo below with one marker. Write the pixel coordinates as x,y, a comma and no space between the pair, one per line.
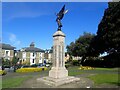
31,69
3,72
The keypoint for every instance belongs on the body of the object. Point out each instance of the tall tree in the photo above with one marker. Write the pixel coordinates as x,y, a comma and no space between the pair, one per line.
14,61
79,47
108,34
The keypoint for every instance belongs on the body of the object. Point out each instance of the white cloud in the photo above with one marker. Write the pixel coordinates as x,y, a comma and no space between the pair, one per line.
13,39
21,10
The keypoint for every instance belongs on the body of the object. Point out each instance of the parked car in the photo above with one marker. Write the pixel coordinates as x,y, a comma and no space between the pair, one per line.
25,66
47,65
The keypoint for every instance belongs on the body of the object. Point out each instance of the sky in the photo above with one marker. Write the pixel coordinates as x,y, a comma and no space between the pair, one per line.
26,22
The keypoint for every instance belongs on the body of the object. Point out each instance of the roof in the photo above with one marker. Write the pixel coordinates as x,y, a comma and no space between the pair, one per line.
6,46
33,49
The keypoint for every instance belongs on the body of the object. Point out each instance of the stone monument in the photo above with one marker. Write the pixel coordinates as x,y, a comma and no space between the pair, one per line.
58,74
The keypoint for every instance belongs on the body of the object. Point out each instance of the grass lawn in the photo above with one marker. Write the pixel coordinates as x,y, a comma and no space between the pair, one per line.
103,75
111,69
13,82
0,82
105,78
74,73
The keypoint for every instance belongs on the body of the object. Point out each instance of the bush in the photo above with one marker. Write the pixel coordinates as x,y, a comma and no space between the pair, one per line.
75,62
30,69
3,72
86,68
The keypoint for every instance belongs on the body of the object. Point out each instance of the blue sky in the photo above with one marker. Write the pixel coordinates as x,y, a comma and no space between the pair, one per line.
23,23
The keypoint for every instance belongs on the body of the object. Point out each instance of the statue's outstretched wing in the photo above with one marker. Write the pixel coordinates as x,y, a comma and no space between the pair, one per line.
61,13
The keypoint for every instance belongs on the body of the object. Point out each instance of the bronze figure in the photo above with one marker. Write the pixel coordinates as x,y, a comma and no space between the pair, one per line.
60,15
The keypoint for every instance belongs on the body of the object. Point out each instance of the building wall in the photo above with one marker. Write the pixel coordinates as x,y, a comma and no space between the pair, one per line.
10,54
27,57
37,58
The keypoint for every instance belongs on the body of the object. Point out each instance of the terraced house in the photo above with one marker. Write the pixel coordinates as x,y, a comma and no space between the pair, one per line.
7,51
31,55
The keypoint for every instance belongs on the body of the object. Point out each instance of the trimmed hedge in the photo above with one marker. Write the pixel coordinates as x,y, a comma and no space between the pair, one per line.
31,69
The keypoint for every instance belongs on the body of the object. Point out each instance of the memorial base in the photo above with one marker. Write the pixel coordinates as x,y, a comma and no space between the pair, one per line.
59,72
58,81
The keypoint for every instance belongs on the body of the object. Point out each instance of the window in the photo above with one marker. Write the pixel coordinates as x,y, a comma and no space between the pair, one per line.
7,53
33,60
33,54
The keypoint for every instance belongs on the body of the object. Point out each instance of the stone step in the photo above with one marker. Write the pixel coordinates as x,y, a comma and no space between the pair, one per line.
59,81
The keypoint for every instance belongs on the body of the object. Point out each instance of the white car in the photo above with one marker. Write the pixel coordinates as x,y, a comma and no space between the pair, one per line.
47,65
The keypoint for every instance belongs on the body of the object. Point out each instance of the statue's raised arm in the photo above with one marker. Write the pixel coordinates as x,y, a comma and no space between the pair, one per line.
60,15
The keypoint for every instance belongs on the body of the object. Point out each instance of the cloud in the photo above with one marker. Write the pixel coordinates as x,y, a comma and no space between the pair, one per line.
22,10
13,39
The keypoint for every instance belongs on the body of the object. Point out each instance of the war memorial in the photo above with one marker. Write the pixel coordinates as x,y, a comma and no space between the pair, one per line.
58,74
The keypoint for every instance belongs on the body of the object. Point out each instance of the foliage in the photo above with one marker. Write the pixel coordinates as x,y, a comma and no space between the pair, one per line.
30,69
86,68
3,72
5,62
14,60
105,78
26,62
108,34
79,47
75,62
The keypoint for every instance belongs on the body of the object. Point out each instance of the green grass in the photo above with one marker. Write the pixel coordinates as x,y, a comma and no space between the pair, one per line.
111,69
105,78
13,82
0,82
74,73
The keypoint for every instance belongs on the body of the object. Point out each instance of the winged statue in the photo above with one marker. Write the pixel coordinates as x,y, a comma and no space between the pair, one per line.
60,15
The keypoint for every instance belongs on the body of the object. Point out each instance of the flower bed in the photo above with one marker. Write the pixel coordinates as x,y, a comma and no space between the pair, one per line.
31,69
3,72
86,68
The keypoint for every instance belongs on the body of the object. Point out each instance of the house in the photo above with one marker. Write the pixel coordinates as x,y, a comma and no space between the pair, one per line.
31,55
49,55
7,51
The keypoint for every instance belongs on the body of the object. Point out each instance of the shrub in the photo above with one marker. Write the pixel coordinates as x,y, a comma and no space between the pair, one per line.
31,69
75,62
3,72
86,68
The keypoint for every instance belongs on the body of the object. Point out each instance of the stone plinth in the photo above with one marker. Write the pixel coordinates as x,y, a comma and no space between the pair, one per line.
58,74
58,81
58,69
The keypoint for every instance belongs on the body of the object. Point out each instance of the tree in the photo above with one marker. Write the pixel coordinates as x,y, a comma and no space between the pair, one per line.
80,46
14,61
108,34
